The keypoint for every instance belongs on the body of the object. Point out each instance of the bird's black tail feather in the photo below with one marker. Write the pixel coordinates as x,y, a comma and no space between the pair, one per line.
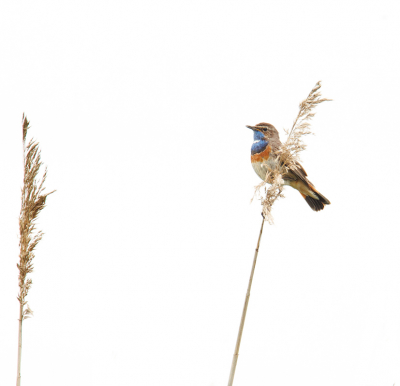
316,204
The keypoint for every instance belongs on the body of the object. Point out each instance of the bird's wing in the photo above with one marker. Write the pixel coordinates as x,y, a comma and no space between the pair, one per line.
297,173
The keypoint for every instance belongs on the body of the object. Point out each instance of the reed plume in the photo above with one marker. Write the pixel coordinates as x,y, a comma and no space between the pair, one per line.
288,155
33,200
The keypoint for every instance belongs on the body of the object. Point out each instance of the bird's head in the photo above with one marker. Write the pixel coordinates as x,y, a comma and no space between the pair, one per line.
264,131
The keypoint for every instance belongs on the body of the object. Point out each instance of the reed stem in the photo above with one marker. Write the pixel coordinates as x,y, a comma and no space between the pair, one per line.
21,317
246,303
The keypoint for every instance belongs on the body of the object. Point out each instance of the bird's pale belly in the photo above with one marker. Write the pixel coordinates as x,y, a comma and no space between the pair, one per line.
261,168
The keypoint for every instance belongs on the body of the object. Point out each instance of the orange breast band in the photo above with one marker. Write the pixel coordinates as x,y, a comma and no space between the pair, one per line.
263,156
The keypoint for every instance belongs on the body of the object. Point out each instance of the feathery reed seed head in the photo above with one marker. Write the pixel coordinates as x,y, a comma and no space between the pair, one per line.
33,200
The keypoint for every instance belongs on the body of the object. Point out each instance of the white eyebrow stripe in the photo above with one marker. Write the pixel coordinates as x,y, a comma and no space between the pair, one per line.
258,140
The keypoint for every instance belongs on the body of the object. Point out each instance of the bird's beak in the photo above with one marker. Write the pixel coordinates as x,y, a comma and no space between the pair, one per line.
253,128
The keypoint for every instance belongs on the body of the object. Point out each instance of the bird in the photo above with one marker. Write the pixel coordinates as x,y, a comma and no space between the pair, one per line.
263,157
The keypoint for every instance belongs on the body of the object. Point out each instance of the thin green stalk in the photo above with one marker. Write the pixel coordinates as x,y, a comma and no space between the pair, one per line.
246,303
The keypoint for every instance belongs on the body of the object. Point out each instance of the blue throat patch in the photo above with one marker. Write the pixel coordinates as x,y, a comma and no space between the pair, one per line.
261,143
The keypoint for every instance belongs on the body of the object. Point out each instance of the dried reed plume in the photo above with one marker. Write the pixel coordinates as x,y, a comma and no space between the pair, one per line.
33,200
288,154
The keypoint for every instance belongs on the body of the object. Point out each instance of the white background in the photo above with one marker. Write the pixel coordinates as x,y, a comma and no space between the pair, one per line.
140,109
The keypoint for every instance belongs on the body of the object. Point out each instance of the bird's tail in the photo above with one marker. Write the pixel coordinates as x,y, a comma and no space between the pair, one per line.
317,203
